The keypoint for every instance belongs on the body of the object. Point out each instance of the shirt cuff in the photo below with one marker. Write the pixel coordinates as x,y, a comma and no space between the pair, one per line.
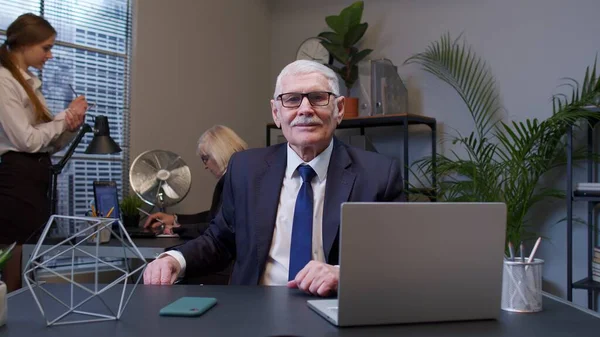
177,256
60,117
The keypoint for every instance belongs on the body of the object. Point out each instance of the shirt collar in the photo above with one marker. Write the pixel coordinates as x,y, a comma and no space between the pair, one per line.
320,163
31,79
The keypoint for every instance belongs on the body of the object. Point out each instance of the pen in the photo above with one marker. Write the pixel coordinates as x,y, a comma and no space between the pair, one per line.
535,247
73,90
110,212
148,214
90,104
511,250
93,210
522,248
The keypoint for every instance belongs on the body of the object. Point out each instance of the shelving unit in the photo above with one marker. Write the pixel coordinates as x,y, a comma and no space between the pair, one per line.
586,283
404,120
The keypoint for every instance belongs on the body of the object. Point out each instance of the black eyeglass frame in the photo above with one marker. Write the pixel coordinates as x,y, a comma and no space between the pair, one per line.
303,95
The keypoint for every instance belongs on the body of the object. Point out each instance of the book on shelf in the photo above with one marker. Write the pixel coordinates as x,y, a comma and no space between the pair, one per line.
587,186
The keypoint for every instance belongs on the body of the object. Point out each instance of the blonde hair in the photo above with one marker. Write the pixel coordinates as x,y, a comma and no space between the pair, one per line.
27,30
220,143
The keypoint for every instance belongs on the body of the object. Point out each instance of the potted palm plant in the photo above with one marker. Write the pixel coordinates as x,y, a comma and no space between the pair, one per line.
504,161
347,31
4,256
129,208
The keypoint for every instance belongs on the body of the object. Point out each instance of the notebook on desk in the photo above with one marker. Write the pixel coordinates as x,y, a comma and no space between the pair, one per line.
418,262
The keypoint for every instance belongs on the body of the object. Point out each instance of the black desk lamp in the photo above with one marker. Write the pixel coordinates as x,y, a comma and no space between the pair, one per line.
101,143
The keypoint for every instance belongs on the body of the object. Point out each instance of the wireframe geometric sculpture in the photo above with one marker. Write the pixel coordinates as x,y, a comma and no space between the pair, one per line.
84,243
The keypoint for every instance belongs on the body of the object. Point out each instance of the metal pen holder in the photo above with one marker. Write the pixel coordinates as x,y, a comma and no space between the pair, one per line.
101,231
522,286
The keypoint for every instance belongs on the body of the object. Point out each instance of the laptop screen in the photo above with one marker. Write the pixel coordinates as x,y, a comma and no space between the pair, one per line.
106,198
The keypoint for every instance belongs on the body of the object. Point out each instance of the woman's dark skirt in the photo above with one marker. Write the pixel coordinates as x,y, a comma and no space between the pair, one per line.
24,201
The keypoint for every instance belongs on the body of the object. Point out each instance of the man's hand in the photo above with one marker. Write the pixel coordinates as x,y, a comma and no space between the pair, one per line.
317,278
163,271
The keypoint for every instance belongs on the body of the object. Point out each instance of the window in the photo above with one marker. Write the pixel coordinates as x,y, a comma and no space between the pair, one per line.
92,53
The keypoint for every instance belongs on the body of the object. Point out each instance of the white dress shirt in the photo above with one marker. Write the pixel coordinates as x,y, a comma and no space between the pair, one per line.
18,129
278,260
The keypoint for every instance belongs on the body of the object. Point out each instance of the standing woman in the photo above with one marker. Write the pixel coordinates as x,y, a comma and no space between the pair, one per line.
29,134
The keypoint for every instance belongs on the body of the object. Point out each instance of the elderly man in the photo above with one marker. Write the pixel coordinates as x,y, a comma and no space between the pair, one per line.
280,214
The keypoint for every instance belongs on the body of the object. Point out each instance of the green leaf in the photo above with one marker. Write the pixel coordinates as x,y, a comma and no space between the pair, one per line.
338,52
336,23
360,56
332,37
5,255
354,13
355,33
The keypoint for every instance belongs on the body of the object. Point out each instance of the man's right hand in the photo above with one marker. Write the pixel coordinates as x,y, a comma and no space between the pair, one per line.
162,271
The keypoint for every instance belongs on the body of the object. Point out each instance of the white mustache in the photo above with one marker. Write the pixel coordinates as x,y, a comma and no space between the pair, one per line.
306,120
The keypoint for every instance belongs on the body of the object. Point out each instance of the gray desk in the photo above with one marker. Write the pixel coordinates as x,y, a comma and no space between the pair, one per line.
149,248
271,311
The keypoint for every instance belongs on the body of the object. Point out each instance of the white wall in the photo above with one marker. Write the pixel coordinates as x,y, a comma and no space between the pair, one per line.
529,45
196,64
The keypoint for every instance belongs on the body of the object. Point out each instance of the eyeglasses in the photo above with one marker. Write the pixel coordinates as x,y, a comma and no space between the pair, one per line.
204,158
294,99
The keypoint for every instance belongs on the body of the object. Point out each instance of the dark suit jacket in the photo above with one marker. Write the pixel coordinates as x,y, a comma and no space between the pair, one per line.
243,229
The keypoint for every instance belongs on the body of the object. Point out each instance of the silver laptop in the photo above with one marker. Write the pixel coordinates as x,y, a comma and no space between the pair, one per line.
418,262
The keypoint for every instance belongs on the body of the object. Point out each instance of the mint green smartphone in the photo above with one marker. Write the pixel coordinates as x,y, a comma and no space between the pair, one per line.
188,306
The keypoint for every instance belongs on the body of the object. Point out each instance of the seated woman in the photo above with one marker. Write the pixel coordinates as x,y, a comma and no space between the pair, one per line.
215,147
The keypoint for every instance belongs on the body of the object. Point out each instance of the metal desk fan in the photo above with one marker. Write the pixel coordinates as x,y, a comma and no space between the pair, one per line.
160,178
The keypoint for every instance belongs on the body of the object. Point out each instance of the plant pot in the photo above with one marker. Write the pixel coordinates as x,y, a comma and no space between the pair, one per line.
351,107
3,304
131,220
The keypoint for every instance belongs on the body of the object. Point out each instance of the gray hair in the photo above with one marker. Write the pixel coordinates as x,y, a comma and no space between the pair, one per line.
303,67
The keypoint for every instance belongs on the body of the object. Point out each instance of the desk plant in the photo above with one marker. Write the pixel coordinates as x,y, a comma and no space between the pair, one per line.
347,31
129,208
4,256
503,161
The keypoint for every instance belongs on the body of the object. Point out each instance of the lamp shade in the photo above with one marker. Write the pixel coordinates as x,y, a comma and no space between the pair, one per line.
102,143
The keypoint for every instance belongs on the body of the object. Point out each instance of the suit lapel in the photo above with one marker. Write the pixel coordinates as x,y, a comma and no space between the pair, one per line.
340,180
268,189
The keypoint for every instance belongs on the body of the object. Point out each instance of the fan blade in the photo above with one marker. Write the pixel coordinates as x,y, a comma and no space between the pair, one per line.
169,191
179,184
177,161
148,183
158,161
180,171
145,167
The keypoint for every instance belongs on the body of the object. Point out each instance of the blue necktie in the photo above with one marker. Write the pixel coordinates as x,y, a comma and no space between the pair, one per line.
301,247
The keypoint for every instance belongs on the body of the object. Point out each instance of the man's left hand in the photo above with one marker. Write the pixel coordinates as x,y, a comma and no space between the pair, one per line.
317,278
